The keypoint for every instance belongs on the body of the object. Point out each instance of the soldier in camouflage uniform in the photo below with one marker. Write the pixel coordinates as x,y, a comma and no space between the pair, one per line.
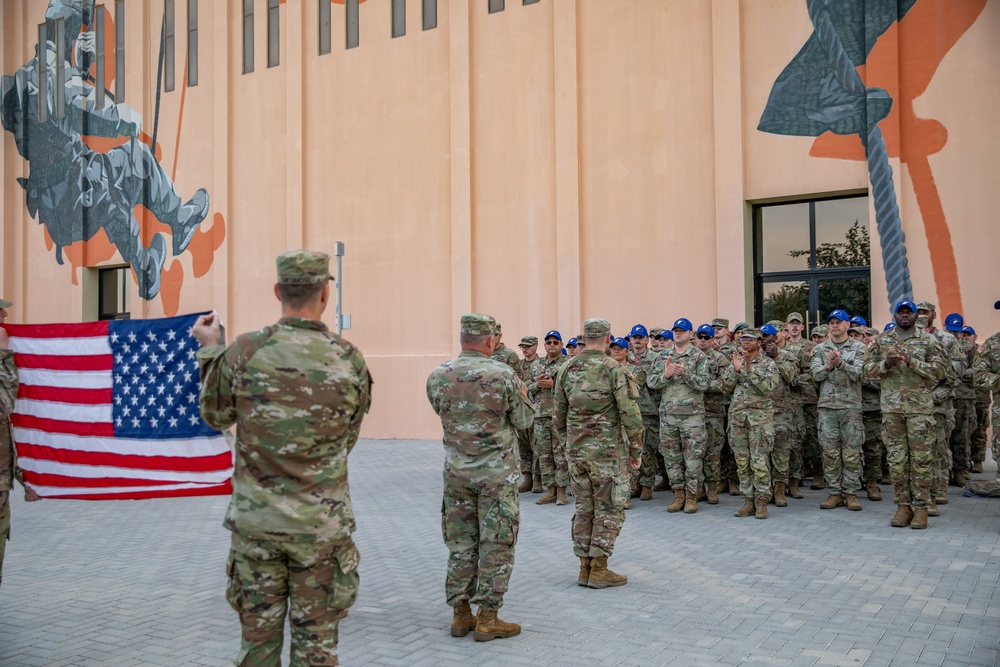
803,394
753,377
772,340
715,410
481,403
8,458
871,418
986,377
725,345
978,438
910,363
549,449
592,408
526,438
640,362
680,376
838,367
505,355
297,393
965,404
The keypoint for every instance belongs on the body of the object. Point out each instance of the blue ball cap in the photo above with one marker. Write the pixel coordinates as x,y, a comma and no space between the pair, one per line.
839,315
638,330
707,329
768,330
891,325
572,342
968,330
620,342
857,319
905,304
553,334
683,323
954,323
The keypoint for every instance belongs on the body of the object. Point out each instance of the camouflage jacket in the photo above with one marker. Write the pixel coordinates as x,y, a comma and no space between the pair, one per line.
641,366
526,370
907,388
967,351
788,374
983,396
718,391
839,388
505,355
682,394
8,393
481,402
956,365
544,399
593,407
986,372
297,393
753,385
804,388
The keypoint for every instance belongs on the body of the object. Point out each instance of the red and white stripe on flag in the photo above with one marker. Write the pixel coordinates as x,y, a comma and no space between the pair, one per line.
79,394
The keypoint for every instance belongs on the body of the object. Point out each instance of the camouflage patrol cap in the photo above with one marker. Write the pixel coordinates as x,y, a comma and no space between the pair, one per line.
4,303
821,331
777,324
596,328
657,331
870,331
720,322
528,341
740,326
858,329
476,324
928,306
922,320
750,332
303,267
794,317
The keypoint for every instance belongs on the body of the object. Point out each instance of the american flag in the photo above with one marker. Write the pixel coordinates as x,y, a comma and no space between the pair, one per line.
109,410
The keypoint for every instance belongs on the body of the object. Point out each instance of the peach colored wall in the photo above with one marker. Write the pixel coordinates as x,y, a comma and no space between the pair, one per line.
547,163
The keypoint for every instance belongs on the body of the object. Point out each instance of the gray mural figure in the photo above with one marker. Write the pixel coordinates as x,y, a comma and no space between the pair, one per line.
76,191
821,90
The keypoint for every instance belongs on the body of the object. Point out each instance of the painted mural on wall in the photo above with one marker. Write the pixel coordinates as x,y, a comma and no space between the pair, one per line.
95,179
845,88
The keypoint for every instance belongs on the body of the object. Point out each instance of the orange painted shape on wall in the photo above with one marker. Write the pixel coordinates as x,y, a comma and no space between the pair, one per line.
204,243
170,288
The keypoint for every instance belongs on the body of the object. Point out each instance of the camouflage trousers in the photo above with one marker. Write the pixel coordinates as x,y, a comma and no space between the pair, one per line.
4,527
751,436
525,455
812,453
682,443
784,432
479,521
943,425
961,436
977,442
600,489
713,447
314,583
798,426
872,448
647,470
995,443
841,434
909,441
550,452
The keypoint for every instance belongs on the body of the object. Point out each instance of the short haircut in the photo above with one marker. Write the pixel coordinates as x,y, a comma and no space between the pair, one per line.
299,296
599,340
475,340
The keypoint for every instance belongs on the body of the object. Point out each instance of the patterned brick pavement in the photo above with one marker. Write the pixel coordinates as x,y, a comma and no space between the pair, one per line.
141,583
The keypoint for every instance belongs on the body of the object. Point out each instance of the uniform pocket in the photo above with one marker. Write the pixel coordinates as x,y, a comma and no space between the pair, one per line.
503,521
234,589
621,489
345,581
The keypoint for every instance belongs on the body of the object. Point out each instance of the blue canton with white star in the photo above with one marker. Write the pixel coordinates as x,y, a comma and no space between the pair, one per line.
156,385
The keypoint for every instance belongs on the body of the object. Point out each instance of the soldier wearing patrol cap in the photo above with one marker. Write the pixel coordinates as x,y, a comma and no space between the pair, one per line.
549,450
986,378
481,403
8,458
296,393
805,444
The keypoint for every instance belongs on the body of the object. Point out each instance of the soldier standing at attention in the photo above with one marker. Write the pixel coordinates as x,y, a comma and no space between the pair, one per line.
548,447
640,361
965,403
715,410
910,363
753,376
505,355
592,408
803,399
986,378
526,437
978,438
772,343
481,403
297,393
838,367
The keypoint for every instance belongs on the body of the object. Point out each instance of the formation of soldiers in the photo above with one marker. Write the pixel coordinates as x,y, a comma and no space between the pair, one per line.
757,412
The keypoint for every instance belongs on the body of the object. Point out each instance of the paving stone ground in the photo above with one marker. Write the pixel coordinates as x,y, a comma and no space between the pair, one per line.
141,583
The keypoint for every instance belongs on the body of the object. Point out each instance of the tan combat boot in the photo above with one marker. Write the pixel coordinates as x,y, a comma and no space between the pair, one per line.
852,503
942,500
678,504
584,575
977,466
932,509
561,495
734,488
903,516
702,493
549,497
818,481
488,627
832,502
664,485
961,477
874,493
462,622
526,484
793,489
779,494
647,493
713,493
537,486
602,577
919,521
690,503
628,504
747,509
761,505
